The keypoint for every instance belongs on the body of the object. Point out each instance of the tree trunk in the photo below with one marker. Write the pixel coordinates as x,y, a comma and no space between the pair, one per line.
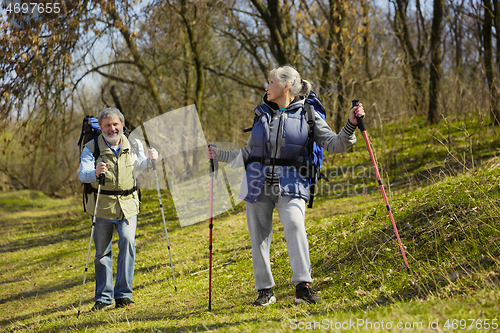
457,33
324,81
340,21
366,44
489,63
415,63
496,23
435,70
279,22
195,54
138,61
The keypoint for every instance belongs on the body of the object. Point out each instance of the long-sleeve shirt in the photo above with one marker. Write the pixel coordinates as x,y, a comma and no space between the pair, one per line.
86,172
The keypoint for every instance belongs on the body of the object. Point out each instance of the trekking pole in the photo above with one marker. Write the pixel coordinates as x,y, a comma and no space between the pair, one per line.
362,128
213,168
101,182
153,162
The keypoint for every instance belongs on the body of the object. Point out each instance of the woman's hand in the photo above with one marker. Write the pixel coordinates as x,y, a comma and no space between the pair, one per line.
356,111
212,152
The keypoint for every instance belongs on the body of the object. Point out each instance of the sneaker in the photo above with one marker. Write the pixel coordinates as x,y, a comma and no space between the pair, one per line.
123,302
304,294
266,297
99,306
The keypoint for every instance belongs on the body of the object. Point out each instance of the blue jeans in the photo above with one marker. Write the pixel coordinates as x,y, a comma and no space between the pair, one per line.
103,262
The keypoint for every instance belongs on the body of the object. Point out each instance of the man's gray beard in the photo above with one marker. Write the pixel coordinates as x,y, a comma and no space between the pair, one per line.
114,140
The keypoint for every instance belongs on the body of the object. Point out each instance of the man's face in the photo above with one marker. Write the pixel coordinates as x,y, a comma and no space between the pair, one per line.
112,130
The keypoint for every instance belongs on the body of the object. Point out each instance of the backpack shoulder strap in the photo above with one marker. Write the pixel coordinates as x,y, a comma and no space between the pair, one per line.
94,148
258,112
97,150
310,121
255,119
309,113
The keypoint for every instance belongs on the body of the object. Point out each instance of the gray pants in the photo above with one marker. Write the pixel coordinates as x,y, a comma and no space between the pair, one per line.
260,226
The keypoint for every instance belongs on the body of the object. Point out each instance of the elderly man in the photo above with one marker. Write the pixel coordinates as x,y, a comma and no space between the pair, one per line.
118,205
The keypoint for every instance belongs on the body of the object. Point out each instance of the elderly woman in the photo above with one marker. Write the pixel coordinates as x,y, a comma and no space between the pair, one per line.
276,147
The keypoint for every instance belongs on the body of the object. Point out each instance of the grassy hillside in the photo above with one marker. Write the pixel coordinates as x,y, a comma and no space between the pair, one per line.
445,195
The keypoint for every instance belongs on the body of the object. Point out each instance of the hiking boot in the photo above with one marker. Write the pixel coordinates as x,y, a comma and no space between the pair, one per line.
304,294
266,297
99,306
123,302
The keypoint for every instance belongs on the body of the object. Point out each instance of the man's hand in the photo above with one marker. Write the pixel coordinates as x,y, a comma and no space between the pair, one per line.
101,168
152,154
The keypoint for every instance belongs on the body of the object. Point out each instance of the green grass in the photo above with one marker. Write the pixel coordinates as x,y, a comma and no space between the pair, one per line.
445,198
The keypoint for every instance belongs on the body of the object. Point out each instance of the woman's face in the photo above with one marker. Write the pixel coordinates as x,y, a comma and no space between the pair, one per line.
274,90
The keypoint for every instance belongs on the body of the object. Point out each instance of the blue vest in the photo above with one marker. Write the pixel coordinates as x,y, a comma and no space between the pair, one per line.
292,137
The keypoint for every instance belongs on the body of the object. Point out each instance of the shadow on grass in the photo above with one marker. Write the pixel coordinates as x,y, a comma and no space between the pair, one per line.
448,242
46,289
210,327
88,320
73,230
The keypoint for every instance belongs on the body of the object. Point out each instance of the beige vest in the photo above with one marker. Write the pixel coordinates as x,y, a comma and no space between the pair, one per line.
119,177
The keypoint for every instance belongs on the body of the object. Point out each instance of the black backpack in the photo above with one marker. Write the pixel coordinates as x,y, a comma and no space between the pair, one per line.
91,131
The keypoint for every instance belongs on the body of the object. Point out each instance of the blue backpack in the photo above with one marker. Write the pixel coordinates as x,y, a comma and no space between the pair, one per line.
314,104
90,131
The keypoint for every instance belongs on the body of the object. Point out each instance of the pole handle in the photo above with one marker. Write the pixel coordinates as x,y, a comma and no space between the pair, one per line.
361,123
102,178
214,165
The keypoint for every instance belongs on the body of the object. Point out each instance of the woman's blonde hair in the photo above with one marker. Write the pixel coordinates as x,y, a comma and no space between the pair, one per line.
287,73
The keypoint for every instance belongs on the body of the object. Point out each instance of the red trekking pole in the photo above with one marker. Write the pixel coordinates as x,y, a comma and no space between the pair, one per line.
213,174
362,128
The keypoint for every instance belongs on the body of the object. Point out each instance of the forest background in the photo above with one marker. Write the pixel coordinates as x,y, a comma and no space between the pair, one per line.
427,72
435,59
